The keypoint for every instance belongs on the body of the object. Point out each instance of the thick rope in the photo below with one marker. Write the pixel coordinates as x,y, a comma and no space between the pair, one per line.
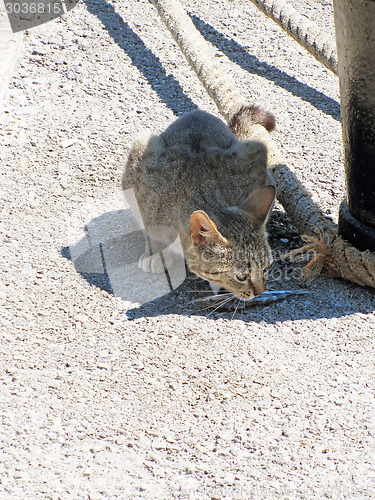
339,257
305,32
194,46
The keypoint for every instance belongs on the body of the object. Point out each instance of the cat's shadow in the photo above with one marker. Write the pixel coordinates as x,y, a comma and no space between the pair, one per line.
107,256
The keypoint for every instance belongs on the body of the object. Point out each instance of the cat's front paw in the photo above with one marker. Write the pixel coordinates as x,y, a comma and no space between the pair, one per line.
151,263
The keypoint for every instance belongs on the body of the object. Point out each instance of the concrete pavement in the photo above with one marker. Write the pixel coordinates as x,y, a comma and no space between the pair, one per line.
101,398
10,45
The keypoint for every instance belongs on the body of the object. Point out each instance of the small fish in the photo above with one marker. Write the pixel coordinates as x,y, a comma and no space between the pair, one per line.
264,299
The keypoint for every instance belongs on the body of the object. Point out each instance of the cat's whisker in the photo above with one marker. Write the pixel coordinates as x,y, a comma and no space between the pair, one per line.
273,265
235,311
243,307
218,305
228,299
213,297
205,300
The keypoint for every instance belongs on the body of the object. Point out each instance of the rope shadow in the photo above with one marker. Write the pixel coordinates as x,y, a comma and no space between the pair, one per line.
237,54
166,86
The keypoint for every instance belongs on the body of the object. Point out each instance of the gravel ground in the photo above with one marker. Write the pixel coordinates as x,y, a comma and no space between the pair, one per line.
102,397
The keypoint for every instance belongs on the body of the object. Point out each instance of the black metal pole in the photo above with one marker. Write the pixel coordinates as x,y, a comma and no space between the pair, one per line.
355,38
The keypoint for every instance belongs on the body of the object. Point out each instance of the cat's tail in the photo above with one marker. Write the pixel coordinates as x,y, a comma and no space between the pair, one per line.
249,115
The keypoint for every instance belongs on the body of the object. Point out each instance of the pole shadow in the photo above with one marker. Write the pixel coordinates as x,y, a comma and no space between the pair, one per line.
166,86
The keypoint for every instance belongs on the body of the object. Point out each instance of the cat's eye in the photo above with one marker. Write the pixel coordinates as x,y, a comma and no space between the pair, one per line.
241,277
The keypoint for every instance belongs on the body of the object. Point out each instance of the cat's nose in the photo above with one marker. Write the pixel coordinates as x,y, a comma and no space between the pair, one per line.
258,287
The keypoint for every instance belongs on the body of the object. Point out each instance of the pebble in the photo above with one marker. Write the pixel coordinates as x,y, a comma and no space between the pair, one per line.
68,142
121,440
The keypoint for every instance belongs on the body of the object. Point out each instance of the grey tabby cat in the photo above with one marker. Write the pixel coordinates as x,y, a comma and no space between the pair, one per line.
214,190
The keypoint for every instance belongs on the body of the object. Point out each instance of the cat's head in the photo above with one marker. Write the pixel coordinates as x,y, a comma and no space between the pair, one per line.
234,253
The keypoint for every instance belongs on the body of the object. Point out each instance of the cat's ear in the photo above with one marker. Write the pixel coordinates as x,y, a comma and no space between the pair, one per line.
259,204
202,227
